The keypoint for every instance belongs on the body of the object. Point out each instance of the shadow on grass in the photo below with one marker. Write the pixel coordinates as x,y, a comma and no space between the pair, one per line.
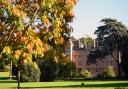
97,79
116,85
6,80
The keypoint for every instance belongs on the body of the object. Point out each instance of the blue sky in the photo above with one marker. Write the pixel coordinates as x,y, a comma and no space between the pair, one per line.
88,13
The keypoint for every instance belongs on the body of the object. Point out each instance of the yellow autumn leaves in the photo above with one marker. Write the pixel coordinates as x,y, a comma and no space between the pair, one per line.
7,50
17,54
45,20
30,46
31,38
17,10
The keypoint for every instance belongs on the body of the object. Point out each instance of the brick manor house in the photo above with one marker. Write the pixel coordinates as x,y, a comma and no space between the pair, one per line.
79,56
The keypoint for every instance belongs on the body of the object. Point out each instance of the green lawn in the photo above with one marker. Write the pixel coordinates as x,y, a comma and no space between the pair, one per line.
5,83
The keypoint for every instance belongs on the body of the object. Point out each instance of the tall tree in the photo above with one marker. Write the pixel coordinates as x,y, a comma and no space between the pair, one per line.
87,41
113,36
29,28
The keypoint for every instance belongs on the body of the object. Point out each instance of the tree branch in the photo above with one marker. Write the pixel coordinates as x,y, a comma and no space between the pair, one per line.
36,13
114,58
6,42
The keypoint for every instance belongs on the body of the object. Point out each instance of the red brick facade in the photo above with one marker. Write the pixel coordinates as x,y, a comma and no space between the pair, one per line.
79,56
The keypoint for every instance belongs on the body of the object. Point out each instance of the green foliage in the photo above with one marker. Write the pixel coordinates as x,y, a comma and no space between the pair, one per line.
85,73
30,72
67,70
52,69
78,75
2,65
87,41
29,28
113,35
108,72
97,53
4,61
48,71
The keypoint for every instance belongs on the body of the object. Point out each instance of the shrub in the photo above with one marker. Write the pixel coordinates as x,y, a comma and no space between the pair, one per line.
48,71
14,70
7,67
30,72
2,65
4,61
108,72
66,70
78,75
85,73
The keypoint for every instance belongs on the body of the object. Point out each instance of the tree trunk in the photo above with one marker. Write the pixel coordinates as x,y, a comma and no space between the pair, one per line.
118,61
10,76
124,63
18,79
124,66
126,75
119,71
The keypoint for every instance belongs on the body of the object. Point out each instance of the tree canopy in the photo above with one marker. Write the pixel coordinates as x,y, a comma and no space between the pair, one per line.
87,41
113,35
29,28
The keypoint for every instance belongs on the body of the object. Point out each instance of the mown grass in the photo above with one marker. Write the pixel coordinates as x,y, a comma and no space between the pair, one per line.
5,83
